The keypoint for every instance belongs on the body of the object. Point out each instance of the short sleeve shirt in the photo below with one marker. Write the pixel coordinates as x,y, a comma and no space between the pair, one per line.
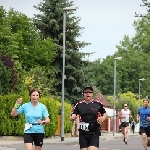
32,114
144,113
88,112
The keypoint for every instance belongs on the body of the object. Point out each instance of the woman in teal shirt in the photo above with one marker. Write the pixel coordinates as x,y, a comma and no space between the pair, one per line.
34,112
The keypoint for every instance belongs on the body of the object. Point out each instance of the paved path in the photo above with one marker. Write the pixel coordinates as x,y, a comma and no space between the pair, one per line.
56,143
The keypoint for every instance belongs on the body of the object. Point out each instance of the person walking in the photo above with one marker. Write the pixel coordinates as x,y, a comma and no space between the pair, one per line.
124,115
91,114
143,117
133,123
34,112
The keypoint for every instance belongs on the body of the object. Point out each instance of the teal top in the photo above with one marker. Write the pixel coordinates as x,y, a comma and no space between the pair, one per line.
32,114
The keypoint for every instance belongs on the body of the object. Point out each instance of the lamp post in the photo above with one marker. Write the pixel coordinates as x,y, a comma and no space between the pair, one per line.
63,73
114,126
142,79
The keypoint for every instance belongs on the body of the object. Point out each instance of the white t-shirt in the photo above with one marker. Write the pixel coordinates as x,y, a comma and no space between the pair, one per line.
126,114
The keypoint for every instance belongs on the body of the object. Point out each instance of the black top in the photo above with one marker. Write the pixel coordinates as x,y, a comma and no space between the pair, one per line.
88,112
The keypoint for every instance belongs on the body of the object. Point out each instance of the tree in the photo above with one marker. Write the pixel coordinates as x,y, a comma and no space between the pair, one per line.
50,24
20,40
133,66
5,75
128,98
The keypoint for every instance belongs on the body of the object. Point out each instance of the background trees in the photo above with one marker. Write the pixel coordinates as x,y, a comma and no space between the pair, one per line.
35,47
21,49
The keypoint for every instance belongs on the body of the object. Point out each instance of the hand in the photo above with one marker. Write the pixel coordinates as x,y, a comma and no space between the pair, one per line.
148,118
39,121
73,117
19,101
100,119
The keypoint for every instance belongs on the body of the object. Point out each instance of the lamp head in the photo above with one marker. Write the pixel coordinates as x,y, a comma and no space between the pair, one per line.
69,8
142,79
118,58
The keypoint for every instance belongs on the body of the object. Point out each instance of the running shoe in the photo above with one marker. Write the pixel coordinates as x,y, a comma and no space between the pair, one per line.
124,139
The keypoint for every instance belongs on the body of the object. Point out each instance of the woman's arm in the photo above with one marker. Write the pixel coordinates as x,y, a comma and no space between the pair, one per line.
46,121
14,111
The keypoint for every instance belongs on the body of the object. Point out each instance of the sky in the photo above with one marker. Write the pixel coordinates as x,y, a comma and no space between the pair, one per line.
105,22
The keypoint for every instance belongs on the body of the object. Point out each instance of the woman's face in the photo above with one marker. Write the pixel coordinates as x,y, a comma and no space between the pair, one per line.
35,96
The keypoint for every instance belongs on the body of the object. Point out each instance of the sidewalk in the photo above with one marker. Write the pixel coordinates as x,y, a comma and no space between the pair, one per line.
73,140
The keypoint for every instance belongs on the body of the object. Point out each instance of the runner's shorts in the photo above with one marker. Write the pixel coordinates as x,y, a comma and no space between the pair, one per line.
88,139
145,130
124,124
37,138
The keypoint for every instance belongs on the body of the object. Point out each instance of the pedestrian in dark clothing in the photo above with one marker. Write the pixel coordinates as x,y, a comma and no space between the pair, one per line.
133,123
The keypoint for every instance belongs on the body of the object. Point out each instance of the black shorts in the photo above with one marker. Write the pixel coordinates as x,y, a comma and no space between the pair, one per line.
86,139
145,130
37,138
124,124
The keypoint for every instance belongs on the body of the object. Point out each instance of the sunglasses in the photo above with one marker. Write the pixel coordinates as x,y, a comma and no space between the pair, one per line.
88,92
125,106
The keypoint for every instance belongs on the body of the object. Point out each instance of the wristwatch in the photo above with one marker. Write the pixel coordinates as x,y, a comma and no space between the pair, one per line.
44,122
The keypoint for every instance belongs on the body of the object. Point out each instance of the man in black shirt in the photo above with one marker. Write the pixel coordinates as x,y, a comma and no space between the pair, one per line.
91,113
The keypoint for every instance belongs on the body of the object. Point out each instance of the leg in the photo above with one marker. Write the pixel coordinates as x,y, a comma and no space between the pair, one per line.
123,133
122,128
94,142
83,141
28,140
28,146
38,147
148,141
144,140
92,148
38,140
133,129
126,134
148,137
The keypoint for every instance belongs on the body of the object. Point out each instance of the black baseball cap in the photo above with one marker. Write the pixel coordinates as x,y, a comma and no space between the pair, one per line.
88,87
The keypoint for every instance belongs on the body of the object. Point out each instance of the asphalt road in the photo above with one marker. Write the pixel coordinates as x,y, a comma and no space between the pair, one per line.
134,143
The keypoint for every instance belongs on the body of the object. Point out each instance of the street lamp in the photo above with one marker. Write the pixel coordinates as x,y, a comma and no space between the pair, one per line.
114,126
142,79
63,73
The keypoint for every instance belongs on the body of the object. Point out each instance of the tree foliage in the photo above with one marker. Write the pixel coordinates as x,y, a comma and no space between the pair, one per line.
20,40
50,24
128,98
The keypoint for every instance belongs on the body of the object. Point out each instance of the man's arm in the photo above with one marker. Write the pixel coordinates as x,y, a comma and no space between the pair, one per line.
104,115
137,117
74,113
130,115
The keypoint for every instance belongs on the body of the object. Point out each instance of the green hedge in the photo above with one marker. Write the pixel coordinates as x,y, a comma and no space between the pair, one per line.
14,126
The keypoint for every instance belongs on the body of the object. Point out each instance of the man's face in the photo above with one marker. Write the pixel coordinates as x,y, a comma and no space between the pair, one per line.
88,94
145,103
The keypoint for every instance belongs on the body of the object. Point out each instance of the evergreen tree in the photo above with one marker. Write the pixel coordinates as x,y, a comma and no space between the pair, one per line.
50,24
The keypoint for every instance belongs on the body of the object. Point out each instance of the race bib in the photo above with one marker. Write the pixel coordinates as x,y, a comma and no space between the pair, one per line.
27,126
84,126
